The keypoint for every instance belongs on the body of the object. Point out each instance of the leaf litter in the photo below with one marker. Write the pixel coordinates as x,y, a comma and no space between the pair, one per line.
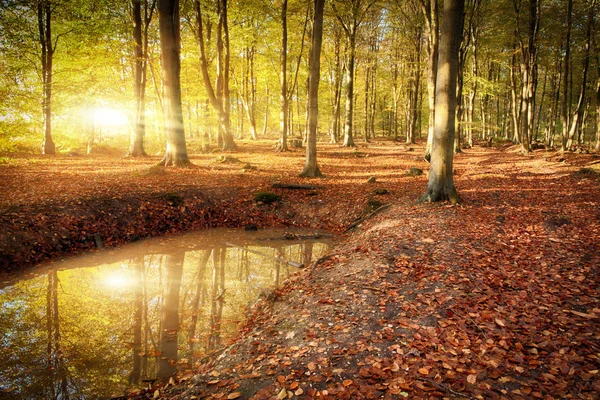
491,298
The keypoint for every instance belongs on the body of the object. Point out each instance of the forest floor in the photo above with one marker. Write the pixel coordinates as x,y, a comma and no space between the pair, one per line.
495,297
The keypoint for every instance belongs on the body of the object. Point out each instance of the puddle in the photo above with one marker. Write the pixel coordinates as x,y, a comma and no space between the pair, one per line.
94,326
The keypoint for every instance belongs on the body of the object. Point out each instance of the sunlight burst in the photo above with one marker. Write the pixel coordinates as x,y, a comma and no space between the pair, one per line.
106,116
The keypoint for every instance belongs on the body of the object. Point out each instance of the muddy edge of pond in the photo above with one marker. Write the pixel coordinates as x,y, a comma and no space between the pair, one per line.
54,229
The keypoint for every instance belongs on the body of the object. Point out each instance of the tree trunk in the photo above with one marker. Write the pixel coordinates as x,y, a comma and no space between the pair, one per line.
167,362
136,146
337,77
44,10
219,95
430,12
350,63
311,168
566,64
441,183
283,93
168,17
577,117
598,103
266,121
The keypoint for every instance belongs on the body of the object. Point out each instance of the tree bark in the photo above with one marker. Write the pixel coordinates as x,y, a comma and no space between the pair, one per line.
565,121
430,12
577,116
140,36
218,95
441,184
598,103
283,91
311,168
44,11
168,17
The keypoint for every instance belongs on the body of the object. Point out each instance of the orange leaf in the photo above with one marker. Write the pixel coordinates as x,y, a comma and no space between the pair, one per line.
423,371
234,395
347,382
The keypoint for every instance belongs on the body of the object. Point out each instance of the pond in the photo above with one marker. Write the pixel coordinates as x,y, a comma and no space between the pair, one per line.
106,322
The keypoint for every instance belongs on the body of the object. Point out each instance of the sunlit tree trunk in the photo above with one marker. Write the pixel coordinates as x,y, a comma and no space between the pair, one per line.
598,103
218,95
337,78
413,95
565,114
430,12
311,168
441,184
577,118
249,92
170,45
44,11
283,93
140,36
167,362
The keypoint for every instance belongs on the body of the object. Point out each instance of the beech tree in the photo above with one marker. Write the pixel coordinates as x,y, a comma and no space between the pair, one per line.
141,23
170,46
311,169
219,95
350,15
441,183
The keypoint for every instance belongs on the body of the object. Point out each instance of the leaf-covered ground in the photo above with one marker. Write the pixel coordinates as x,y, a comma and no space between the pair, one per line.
497,297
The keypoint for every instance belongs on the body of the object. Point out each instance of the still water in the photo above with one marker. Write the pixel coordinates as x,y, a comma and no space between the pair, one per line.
106,322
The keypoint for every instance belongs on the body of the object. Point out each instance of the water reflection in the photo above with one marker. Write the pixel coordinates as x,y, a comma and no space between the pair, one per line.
96,325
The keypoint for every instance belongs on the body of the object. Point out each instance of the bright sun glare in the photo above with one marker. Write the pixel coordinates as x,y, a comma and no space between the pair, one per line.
109,116
118,281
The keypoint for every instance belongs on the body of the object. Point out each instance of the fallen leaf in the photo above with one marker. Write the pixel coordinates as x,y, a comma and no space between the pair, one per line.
234,395
500,322
472,379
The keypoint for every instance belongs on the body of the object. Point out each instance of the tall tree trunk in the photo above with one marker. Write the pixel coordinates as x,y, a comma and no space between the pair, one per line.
140,36
170,45
577,117
430,12
337,77
266,121
414,89
311,168
515,103
565,121
249,90
350,64
441,184
44,11
473,92
167,362
283,93
218,95
598,102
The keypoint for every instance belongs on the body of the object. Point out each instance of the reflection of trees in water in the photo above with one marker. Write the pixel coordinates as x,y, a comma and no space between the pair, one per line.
217,295
167,362
55,362
67,335
198,299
